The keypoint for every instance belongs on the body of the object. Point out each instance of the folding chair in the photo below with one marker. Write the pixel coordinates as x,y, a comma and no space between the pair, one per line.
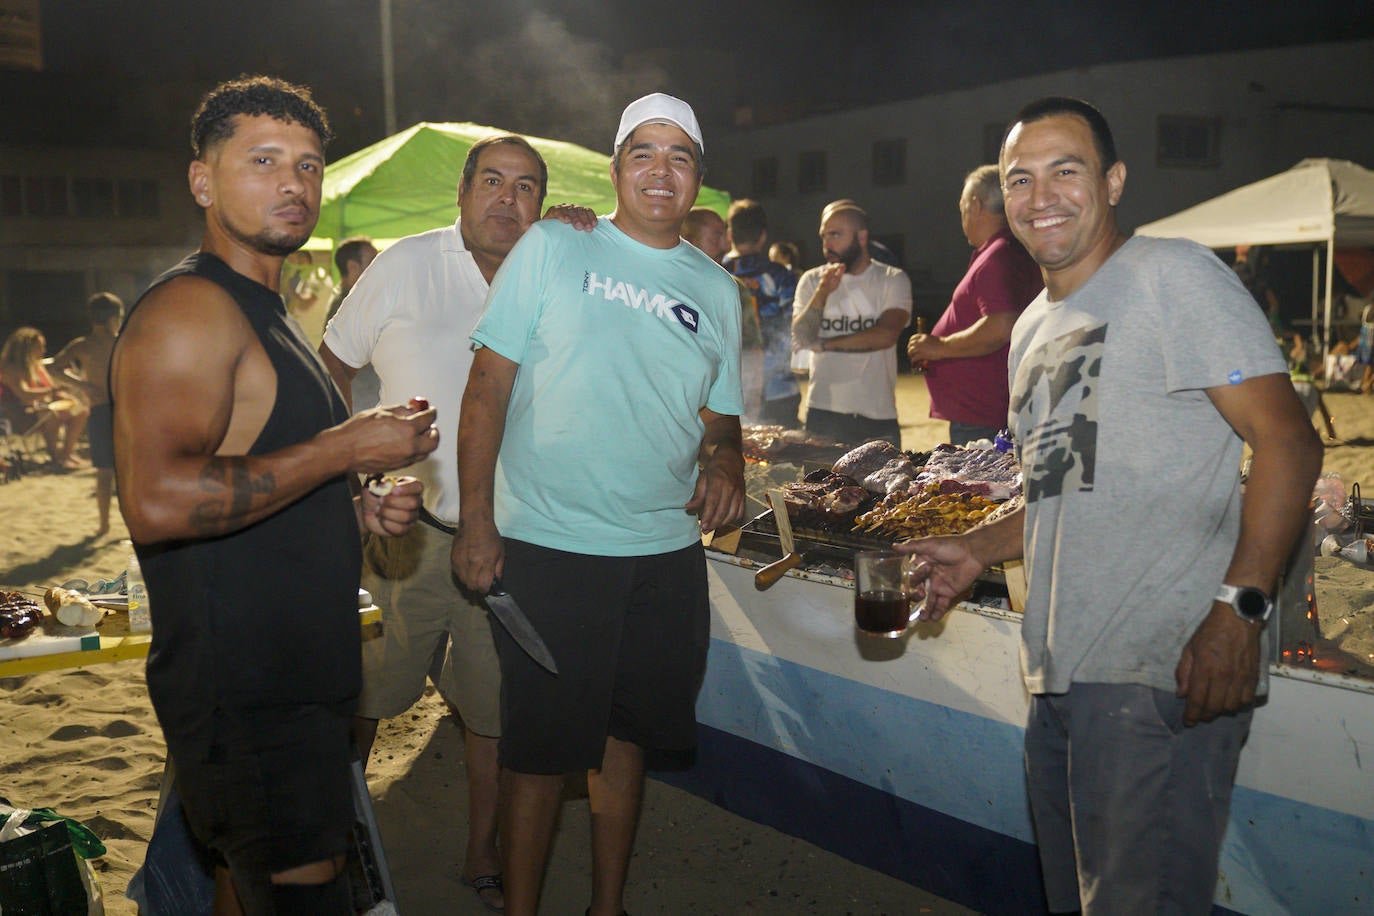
16,451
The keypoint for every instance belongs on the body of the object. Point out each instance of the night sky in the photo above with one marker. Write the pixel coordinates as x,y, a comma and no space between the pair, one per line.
564,68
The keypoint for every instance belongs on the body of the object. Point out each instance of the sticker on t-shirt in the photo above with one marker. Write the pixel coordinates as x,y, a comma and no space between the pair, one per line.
687,316
1055,399
1235,377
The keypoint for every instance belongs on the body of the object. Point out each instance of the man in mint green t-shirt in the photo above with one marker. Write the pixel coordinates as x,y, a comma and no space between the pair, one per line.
599,439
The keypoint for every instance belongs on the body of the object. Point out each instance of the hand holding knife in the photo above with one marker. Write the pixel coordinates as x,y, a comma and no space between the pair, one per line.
507,611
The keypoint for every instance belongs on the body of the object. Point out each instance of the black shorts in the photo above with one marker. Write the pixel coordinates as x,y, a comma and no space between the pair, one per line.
100,435
852,428
272,792
629,636
781,411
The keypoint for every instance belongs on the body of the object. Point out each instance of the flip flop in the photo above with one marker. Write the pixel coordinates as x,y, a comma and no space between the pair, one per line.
485,883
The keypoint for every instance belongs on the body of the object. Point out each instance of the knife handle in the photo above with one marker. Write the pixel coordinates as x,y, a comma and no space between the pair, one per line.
774,571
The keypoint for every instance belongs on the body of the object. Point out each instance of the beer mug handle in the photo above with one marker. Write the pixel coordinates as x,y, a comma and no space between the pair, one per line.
912,581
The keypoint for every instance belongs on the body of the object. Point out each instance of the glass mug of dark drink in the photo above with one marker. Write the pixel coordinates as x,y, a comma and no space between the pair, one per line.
882,606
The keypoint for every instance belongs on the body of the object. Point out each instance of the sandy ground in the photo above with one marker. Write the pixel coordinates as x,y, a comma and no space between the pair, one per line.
86,742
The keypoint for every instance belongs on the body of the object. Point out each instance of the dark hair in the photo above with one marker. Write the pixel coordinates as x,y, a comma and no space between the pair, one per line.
101,307
213,122
1062,105
696,149
350,249
790,253
747,221
470,164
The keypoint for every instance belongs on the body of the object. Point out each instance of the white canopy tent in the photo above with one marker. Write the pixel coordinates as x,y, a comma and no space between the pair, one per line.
1327,203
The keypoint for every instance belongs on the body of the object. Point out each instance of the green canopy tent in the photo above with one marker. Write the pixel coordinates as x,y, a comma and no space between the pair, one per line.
408,183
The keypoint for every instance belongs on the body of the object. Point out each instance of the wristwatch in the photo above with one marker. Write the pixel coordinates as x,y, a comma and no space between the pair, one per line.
1250,604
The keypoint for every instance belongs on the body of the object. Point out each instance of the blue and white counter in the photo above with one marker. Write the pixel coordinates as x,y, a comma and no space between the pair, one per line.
906,755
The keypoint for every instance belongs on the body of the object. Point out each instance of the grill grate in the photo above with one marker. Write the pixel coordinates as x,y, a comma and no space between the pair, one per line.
849,540
766,525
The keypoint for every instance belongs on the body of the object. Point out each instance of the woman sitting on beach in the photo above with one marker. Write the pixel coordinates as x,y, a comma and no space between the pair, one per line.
28,398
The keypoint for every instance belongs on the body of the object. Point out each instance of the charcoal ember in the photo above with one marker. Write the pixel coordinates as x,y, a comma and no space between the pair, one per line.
865,459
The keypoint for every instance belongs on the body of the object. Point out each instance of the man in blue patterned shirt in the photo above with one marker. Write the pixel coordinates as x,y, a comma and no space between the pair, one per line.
773,286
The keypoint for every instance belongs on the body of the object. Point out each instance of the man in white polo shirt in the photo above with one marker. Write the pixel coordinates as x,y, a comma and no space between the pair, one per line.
408,317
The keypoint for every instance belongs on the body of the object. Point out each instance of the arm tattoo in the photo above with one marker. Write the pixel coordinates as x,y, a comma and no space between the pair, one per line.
228,480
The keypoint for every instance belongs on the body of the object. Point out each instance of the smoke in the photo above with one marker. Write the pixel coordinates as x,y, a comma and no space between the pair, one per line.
539,79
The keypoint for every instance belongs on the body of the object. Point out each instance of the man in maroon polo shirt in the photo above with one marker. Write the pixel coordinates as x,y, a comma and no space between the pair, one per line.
965,354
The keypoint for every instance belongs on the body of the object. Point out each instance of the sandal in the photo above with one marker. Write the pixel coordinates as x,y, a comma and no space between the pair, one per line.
485,883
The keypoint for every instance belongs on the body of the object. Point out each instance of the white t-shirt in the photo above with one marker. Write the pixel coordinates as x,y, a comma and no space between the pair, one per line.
409,316
857,383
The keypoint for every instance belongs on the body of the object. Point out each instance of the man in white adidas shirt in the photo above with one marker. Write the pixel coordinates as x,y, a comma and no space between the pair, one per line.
851,311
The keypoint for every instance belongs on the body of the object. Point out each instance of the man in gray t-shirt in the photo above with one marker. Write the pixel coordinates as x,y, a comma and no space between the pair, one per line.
1136,377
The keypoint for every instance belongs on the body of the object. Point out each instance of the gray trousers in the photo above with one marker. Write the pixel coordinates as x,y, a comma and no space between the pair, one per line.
1130,806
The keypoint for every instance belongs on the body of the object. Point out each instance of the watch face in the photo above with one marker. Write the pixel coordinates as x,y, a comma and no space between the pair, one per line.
1252,603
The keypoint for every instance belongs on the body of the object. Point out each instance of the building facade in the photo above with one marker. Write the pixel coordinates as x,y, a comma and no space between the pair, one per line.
1187,128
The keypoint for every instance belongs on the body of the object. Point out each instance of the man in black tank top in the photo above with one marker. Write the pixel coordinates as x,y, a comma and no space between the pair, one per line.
237,463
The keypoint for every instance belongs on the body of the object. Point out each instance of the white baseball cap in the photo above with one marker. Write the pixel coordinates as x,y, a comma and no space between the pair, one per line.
659,108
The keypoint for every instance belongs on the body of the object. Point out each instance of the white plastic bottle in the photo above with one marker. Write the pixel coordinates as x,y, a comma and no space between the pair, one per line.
139,619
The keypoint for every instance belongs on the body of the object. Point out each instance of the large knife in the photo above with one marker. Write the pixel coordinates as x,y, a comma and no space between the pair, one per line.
507,611
774,571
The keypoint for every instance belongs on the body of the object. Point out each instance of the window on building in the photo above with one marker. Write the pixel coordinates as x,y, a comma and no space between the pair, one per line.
45,196
766,177
138,198
93,197
11,196
811,171
1187,141
894,242
889,162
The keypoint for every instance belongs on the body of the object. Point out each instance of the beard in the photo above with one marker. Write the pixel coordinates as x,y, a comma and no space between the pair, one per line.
274,244
271,242
847,257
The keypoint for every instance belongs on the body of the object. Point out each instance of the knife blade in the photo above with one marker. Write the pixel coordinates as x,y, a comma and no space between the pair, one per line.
504,608
774,571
